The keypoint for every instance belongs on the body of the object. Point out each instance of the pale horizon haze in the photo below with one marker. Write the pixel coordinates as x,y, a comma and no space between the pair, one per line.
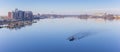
61,6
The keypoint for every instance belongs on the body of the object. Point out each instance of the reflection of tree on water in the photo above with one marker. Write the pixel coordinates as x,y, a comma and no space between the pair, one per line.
80,35
17,24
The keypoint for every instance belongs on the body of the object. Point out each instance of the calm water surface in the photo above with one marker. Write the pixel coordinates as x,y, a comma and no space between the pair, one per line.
63,35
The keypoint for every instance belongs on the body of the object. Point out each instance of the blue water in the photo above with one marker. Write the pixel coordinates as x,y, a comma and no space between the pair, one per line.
53,35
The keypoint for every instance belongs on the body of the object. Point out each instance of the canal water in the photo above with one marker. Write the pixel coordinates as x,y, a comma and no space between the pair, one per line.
63,35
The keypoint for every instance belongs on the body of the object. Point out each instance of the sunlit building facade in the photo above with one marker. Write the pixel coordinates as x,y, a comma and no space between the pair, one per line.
10,15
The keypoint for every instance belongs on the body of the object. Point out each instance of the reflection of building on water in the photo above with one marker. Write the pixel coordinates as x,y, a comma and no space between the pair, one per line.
17,24
79,35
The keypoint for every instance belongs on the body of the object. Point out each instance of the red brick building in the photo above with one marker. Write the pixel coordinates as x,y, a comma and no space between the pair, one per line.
9,15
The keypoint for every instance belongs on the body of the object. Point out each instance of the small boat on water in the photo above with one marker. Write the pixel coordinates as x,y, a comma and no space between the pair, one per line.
79,35
71,38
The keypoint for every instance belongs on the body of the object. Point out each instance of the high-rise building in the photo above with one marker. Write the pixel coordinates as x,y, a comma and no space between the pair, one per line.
13,14
19,14
28,15
9,15
16,14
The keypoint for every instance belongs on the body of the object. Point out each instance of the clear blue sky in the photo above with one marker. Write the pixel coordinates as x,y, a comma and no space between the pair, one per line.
60,6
